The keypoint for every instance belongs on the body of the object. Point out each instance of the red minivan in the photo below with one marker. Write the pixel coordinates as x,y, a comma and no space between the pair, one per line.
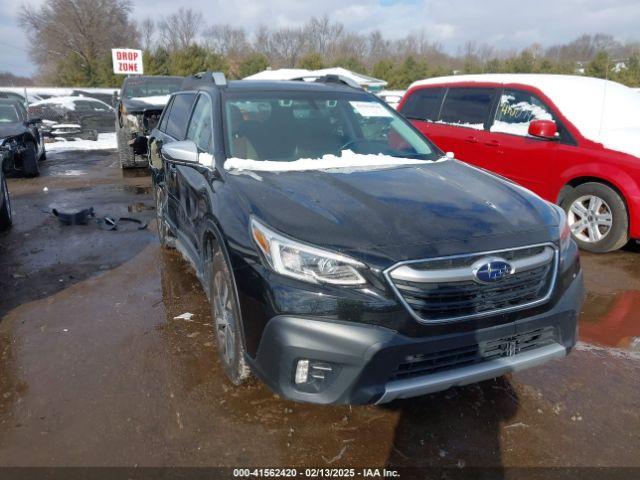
572,140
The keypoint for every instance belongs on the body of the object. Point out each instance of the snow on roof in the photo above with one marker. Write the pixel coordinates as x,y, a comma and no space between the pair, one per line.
66,101
57,91
603,111
301,73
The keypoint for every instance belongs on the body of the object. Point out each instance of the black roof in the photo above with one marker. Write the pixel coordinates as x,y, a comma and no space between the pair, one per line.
214,80
10,101
288,86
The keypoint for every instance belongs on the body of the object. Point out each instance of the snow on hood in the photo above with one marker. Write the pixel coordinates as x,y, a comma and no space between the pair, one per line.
600,109
154,100
348,160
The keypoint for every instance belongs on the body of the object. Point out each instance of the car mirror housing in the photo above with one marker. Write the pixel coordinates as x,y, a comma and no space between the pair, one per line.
546,129
184,151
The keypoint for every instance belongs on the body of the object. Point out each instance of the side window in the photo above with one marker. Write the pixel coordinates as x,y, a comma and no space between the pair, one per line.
517,109
423,104
179,115
165,116
200,128
467,107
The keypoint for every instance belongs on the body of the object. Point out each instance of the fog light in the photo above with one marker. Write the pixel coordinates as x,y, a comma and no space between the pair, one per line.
302,371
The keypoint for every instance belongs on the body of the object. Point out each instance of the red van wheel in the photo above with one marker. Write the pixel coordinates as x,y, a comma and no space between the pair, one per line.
597,216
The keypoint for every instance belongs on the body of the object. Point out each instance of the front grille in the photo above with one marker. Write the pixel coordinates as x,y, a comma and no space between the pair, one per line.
444,289
429,363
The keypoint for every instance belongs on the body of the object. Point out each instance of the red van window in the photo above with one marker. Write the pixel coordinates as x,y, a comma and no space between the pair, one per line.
467,107
423,104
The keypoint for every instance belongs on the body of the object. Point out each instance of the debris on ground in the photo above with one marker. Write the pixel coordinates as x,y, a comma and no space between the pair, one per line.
185,316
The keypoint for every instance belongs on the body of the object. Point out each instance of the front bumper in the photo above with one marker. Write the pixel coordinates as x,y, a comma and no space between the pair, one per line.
365,359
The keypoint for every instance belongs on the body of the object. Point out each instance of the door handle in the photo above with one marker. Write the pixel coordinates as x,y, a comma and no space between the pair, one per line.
492,143
471,139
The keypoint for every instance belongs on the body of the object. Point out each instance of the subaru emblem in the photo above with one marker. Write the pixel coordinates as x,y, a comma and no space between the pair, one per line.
491,270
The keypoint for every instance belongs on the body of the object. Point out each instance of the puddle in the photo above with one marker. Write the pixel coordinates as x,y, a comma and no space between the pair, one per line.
135,173
67,173
612,320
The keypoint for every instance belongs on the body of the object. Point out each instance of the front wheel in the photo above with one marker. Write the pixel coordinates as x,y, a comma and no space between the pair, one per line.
226,319
598,218
5,207
164,233
30,166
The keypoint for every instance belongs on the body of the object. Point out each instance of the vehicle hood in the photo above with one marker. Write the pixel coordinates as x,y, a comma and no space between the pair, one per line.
400,213
11,129
626,140
142,104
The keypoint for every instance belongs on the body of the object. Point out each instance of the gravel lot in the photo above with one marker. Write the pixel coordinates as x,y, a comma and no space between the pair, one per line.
95,370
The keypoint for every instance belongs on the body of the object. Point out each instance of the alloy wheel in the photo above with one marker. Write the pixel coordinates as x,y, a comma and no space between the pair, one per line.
590,218
225,320
7,198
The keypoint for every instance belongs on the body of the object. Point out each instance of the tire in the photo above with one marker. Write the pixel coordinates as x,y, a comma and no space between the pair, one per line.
127,158
164,233
598,217
30,166
5,208
226,319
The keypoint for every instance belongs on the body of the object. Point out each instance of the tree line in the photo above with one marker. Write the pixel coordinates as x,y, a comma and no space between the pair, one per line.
71,43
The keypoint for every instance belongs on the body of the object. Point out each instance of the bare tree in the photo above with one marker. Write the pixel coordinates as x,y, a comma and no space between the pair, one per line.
147,28
321,34
85,29
180,29
226,40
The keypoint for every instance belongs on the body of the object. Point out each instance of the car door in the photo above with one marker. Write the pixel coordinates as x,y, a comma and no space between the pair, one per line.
193,185
512,152
465,117
176,129
456,119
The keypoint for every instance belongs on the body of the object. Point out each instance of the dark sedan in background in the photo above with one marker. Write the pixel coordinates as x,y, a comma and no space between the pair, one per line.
21,142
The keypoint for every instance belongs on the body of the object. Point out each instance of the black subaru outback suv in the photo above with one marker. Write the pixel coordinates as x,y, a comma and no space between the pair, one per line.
346,258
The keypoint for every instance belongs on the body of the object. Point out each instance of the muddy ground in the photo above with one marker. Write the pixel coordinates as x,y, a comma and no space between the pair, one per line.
95,370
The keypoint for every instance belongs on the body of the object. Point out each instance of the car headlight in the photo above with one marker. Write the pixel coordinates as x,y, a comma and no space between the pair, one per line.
564,231
305,262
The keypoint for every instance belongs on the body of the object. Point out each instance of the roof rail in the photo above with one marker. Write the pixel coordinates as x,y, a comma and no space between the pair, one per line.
217,78
333,78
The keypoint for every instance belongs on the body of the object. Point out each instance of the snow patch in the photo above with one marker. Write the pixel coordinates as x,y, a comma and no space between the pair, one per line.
106,141
70,102
348,160
153,100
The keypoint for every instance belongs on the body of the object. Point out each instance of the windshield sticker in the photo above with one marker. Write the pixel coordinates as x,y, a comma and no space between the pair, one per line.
371,109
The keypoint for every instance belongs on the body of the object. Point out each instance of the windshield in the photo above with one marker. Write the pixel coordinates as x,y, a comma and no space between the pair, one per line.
288,126
151,87
8,114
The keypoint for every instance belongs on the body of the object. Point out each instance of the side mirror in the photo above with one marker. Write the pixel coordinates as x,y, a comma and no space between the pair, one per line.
546,129
184,151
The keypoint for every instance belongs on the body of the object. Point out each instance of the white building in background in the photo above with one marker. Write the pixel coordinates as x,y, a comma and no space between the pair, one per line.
369,83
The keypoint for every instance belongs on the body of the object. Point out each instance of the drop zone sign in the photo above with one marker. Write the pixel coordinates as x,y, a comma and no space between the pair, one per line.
127,61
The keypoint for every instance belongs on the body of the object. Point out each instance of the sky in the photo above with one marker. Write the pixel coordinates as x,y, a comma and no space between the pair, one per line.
504,24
